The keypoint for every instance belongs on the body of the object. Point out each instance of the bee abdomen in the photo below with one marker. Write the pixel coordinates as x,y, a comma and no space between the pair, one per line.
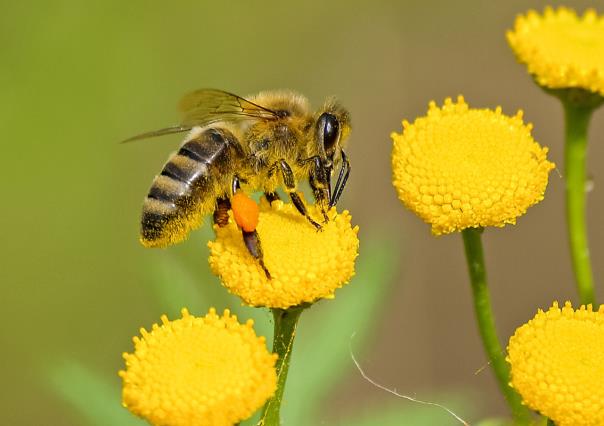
184,191
209,147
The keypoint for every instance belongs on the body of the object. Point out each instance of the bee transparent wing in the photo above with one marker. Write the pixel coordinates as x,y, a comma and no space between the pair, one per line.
160,132
206,106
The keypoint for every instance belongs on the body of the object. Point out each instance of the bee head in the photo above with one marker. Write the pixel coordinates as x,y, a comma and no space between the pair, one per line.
332,129
329,133
333,126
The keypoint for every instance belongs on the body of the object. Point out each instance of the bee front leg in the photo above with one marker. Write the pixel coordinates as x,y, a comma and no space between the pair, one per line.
320,197
320,184
290,185
342,179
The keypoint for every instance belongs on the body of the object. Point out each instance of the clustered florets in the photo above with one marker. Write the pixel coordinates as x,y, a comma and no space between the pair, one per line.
459,168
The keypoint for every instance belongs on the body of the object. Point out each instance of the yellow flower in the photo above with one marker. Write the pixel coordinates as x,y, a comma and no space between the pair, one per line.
197,371
305,264
560,49
557,363
460,168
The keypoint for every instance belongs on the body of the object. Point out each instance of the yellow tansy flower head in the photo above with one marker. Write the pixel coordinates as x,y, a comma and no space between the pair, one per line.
197,371
561,49
460,168
305,264
557,364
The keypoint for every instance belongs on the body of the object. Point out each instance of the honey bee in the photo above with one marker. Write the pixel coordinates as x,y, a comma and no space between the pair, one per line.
273,140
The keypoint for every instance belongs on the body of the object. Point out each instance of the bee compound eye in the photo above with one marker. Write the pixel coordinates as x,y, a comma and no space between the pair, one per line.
331,130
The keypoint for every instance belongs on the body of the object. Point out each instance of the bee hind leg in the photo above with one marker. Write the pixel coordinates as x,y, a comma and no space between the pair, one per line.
245,212
252,242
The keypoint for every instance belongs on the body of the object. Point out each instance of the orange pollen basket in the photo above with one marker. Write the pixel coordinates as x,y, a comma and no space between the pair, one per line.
245,211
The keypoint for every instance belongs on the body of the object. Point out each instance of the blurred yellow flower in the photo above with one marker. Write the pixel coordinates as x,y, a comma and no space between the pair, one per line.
197,371
460,168
560,49
557,364
305,264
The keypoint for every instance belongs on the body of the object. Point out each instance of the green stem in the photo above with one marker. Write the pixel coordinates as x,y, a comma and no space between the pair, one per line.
550,422
486,323
577,121
286,321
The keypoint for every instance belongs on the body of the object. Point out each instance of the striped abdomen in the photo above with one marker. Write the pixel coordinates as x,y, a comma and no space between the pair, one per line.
187,187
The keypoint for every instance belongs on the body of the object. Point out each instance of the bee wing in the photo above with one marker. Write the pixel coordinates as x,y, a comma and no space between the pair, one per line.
206,106
160,132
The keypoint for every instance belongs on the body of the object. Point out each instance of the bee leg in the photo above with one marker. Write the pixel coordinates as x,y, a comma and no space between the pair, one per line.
235,185
271,196
320,184
252,242
320,197
290,186
221,212
302,209
250,237
342,178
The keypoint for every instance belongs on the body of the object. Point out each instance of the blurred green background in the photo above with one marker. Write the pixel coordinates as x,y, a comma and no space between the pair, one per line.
77,77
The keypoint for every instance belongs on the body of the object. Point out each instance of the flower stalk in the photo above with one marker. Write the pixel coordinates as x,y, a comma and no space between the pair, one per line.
486,323
286,322
577,122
